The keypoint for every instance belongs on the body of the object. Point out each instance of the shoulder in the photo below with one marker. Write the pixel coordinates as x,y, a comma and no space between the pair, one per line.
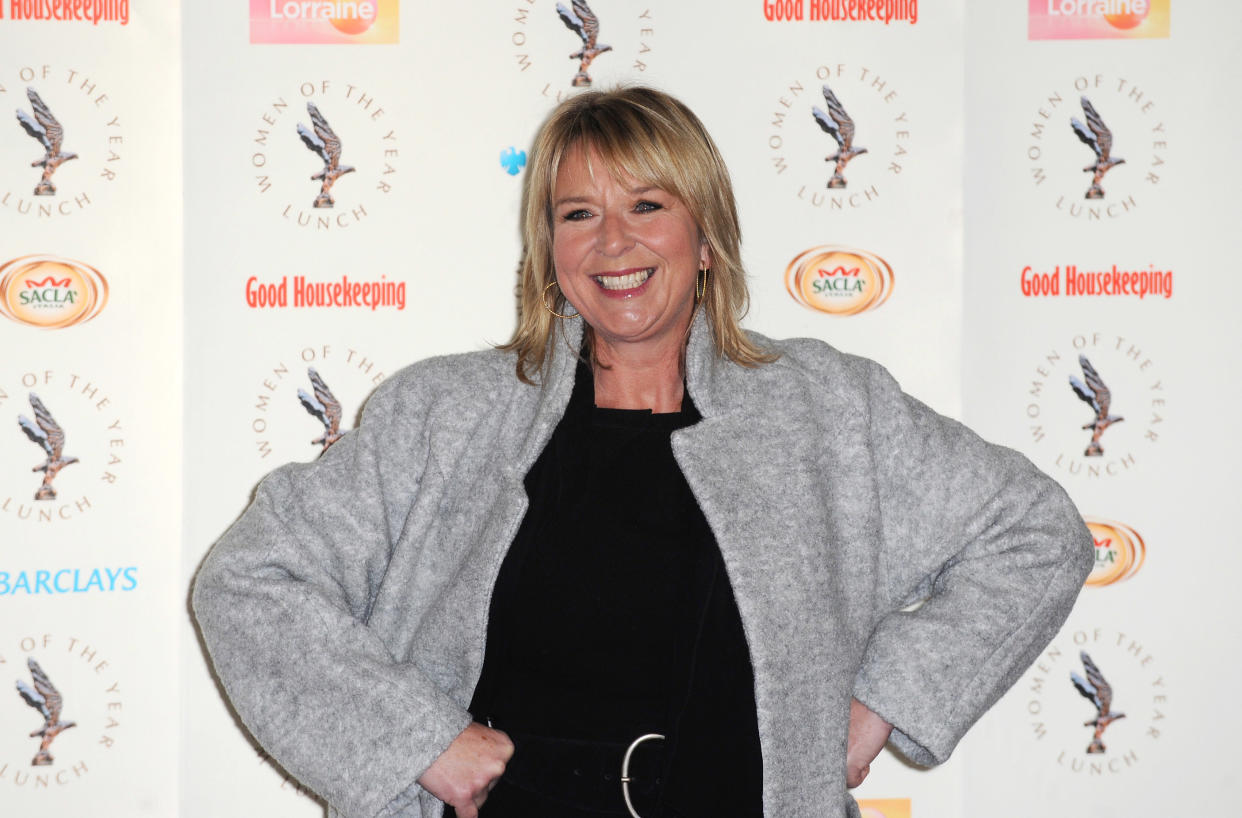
457,382
814,366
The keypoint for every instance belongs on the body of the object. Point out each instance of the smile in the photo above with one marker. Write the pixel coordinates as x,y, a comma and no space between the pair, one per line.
627,281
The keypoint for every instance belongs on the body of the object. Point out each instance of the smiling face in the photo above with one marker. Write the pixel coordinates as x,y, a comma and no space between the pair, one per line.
626,255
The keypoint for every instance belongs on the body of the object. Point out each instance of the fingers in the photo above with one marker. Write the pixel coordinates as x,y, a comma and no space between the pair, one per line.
469,769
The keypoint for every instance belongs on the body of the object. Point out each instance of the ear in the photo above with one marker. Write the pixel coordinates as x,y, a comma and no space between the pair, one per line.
705,254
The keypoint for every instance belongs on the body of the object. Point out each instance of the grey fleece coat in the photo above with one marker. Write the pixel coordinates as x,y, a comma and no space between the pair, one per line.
346,610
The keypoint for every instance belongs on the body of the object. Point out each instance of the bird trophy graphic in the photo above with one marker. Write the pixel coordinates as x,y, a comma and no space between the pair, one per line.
46,699
1095,135
1096,688
1097,395
45,431
47,129
323,405
583,22
324,141
837,124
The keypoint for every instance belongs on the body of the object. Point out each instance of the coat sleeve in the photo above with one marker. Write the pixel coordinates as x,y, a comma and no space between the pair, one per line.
283,600
993,548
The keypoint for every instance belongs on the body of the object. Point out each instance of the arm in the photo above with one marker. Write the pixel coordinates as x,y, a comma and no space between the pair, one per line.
283,599
995,548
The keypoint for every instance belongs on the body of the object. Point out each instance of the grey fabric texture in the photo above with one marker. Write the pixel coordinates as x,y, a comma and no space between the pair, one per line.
345,612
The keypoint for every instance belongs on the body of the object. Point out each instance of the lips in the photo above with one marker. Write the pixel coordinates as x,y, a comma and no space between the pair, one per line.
626,280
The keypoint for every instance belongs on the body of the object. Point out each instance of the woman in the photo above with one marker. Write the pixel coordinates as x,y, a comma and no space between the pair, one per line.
773,508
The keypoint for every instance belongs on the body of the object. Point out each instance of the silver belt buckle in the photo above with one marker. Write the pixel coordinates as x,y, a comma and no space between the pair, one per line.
625,769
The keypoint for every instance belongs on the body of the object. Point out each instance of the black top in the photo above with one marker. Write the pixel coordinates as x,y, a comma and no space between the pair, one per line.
612,616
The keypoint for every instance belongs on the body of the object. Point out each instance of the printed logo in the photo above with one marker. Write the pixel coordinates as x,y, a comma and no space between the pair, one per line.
884,807
862,120
1097,19
46,699
1123,713
345,120
329,385
1076,397
583,22
62,11
45,432
1116,281
344,22
63,715
839,280
308,294
878,11
556,48
69,413
323,406
1055,150
51,292
512,160
1119,552
68,117
61,581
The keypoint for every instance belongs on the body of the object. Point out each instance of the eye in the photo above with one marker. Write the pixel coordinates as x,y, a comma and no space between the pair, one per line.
575,215
648,206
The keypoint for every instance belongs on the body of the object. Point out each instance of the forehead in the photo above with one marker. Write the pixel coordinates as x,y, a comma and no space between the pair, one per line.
586,166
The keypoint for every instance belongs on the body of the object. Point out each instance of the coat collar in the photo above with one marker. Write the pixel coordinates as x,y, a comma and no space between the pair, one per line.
707,378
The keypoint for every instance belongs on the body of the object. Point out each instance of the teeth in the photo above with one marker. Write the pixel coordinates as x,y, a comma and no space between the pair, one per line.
626,282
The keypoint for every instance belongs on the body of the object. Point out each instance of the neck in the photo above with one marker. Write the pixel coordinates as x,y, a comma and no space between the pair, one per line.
638,379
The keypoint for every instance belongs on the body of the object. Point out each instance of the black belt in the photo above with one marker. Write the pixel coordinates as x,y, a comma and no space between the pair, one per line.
585,774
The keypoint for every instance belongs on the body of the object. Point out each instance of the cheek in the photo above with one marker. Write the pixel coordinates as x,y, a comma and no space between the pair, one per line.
566,249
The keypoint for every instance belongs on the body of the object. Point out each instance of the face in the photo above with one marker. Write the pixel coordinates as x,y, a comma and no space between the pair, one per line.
627,256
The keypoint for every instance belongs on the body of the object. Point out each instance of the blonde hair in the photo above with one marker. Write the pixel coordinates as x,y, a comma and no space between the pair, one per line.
649,136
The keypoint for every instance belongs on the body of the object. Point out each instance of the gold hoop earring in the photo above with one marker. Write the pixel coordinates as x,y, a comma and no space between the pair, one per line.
544,300
700,284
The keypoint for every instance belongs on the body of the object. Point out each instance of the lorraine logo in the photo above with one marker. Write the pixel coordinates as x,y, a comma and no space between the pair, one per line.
51,292
562,47
281,430
1119,552
1094,384
839,280
884,807
1098,120
72,422
344,22
1097,19
64,148
61,711
1095,702
323,156
841,115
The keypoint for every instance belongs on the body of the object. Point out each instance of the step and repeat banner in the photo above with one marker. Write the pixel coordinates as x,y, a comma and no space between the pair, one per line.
219,221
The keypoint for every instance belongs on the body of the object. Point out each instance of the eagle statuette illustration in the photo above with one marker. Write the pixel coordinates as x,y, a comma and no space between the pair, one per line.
46,699
324,142
1099,398
1095,135
48,130
837,124
45,431
1096,688
583,22
323,405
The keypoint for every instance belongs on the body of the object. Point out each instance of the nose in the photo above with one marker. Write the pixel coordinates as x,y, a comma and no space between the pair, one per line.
614,237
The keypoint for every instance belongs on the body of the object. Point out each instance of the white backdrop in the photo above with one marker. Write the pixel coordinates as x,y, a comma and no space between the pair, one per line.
191,194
